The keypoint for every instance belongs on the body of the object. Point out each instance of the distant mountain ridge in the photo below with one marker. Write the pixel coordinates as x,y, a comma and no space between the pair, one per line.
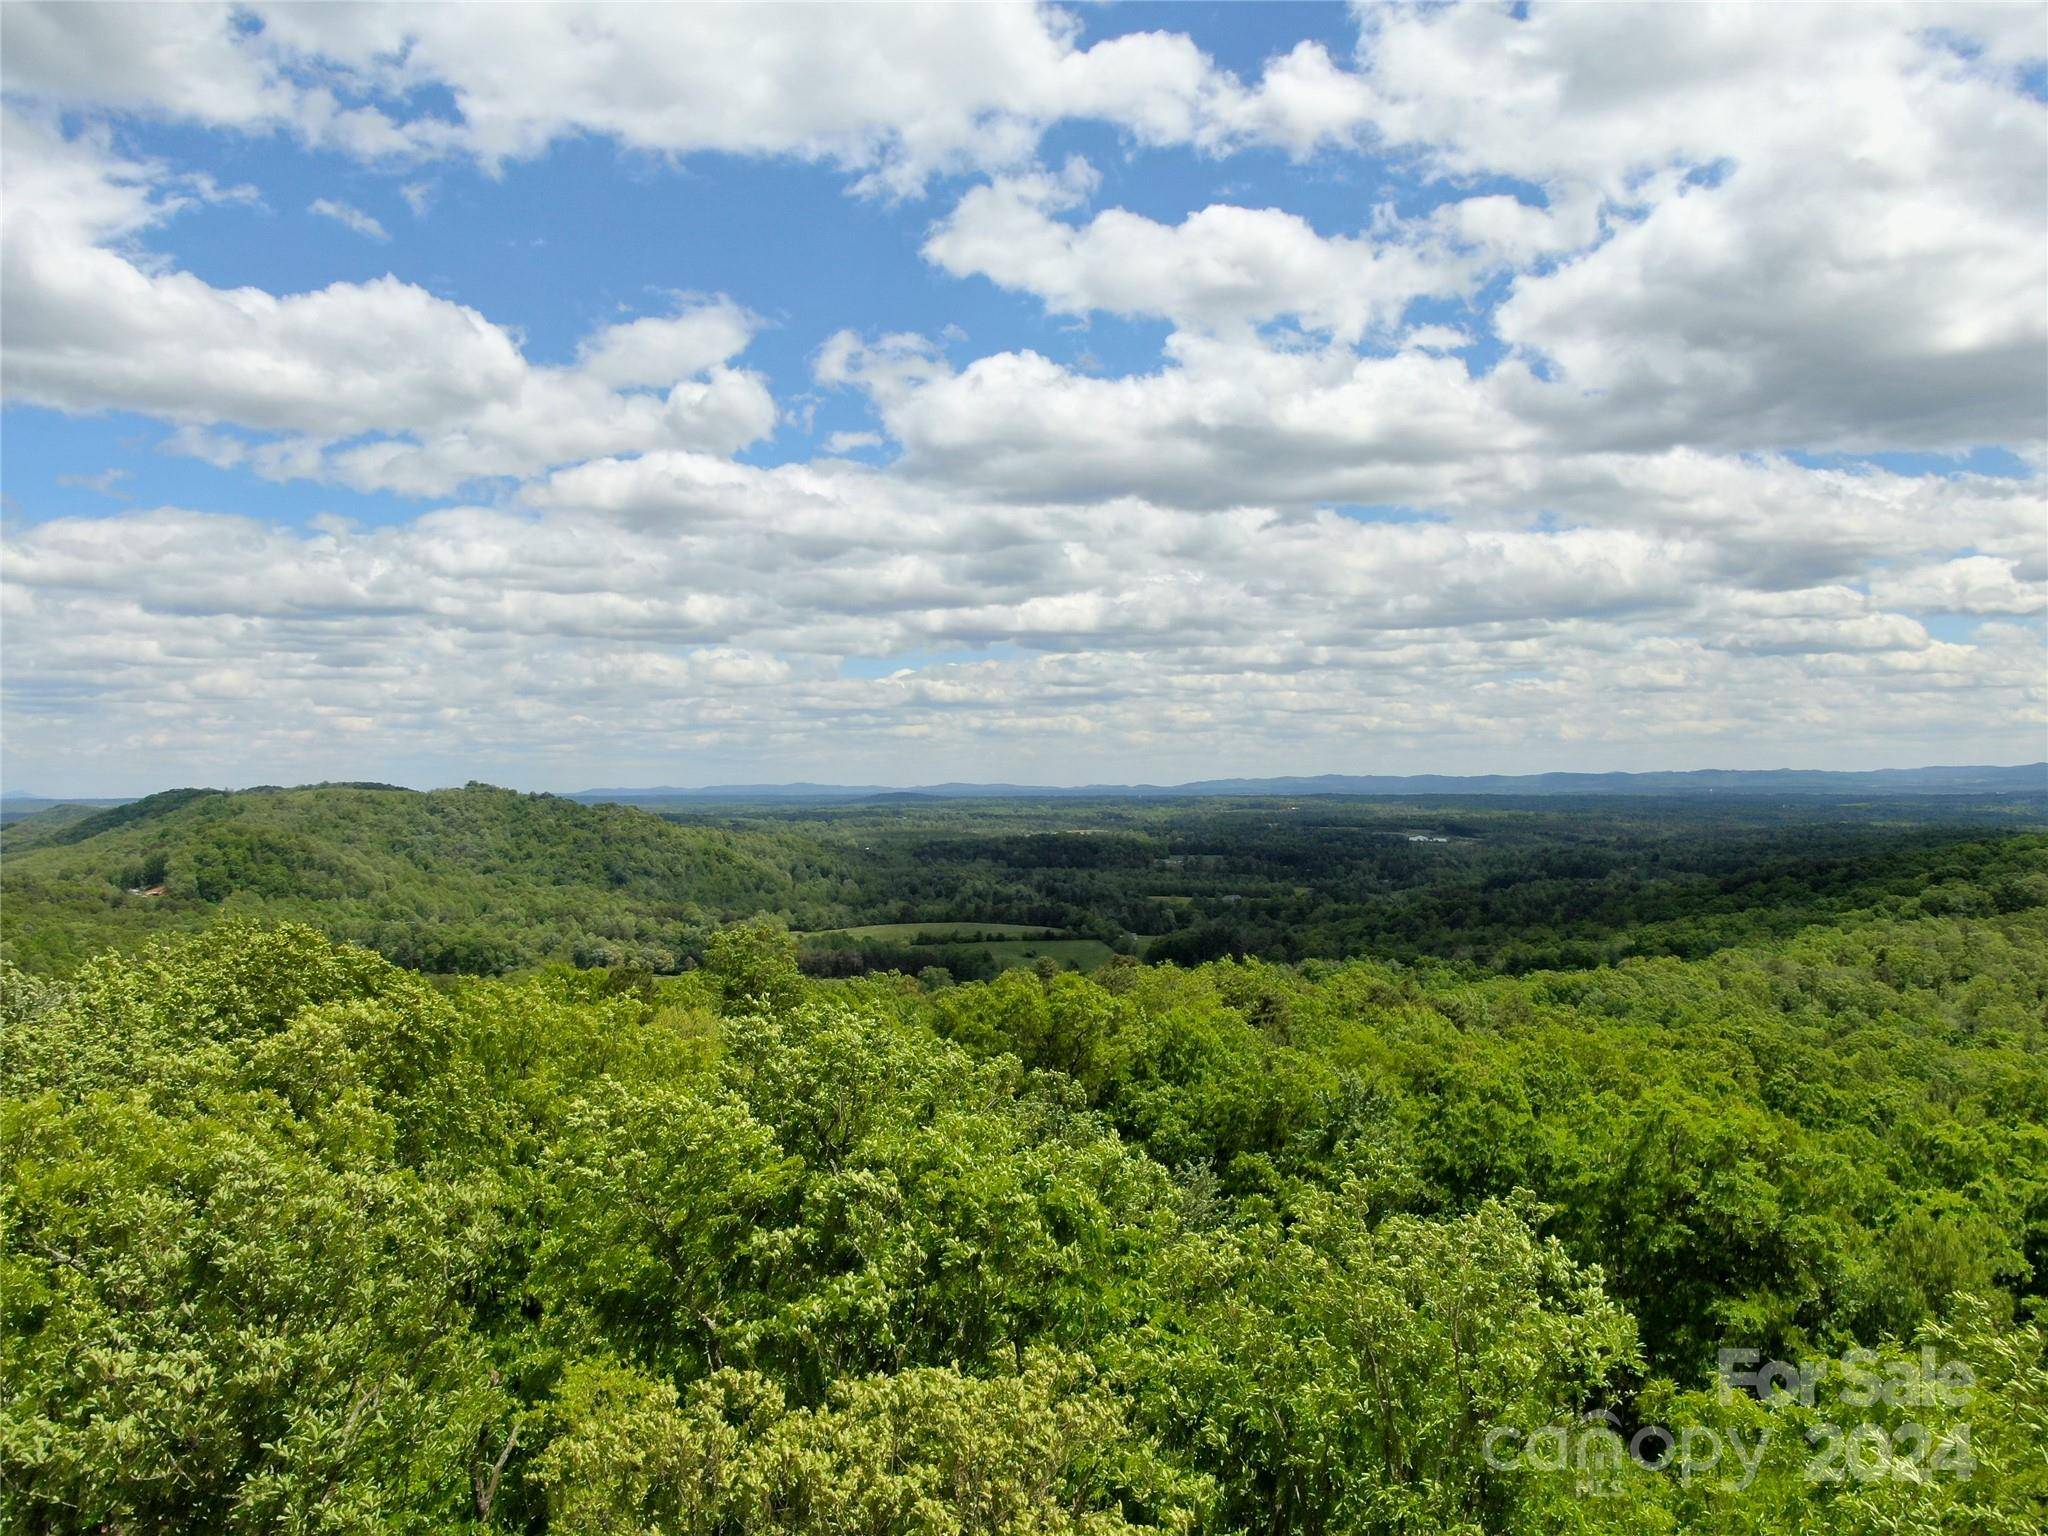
2023,778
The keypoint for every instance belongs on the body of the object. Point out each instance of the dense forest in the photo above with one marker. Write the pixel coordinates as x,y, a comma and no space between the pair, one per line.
297,1240
1729,1217
475,880
486,881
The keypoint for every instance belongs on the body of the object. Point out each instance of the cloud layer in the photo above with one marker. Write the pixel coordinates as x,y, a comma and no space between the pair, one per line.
1523,469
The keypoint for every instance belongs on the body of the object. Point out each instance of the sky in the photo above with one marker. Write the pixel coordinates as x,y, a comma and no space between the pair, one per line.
569,396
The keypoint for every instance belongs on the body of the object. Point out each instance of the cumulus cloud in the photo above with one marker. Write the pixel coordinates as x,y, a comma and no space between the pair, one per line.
683,593
1828,218
1500,472
1225,421
1714,253
893,96
378,385
1221,268
653,352
1970,584
191,62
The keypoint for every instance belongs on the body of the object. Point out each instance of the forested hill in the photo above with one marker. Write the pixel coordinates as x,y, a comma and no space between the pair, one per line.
472,879
482,880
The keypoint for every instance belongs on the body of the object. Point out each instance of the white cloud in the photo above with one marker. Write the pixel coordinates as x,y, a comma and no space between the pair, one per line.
376,385
1515,233
1227,421
78,190
193,62
1864,272
1607,94
1221,268
349,217
656,351
680,596
1969,584
1863,265
185,61
1727,234
890,95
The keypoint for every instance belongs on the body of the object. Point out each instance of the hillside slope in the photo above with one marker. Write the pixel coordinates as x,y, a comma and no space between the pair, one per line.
476,879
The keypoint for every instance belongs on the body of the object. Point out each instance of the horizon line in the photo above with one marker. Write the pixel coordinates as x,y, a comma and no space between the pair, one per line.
1013,788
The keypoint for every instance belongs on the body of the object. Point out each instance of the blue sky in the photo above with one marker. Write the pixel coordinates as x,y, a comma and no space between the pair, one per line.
584,234
1113,392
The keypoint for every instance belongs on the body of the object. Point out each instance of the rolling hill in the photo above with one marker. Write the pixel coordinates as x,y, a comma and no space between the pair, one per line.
475,879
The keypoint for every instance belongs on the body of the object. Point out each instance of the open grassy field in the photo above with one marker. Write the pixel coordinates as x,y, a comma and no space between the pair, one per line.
1080,954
